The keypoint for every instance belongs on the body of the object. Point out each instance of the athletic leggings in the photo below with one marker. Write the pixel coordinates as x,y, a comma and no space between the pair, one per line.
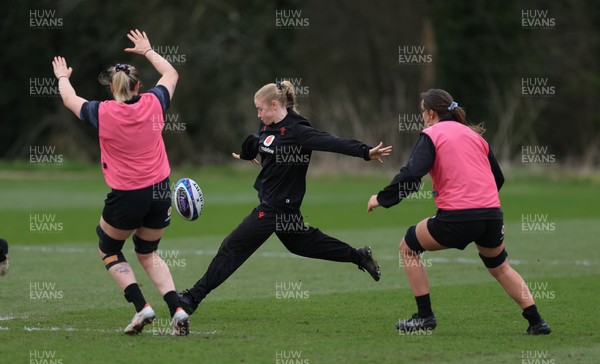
256,228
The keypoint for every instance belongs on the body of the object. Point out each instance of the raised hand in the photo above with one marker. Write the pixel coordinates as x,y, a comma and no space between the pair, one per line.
140,41
379,151
59,64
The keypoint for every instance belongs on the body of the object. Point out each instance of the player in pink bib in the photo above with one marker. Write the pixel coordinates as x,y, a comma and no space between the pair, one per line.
466,180
136,168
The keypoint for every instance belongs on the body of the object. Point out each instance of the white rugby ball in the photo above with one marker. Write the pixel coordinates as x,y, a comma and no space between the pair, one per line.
188,199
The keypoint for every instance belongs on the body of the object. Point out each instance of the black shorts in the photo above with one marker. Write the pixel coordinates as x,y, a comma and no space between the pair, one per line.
148,207
485,233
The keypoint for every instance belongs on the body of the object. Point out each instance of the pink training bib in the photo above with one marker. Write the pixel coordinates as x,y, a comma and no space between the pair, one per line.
461,173
132,150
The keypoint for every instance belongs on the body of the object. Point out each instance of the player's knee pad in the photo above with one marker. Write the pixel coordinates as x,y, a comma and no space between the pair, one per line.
111,248
113,259
496,261
144,246
411,240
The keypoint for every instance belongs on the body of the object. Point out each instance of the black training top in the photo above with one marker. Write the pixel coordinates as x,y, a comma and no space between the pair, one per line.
285,149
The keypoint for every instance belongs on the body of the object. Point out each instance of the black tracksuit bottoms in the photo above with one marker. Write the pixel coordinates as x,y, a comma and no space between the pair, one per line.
256,228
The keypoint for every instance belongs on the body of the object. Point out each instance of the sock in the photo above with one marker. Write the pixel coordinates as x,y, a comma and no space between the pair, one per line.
532,315
3,250
424,305
197,295
135,296
172,301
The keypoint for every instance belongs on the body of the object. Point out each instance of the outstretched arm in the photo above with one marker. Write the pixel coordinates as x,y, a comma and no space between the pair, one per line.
379,151
167,71
311,138
67,92
409,179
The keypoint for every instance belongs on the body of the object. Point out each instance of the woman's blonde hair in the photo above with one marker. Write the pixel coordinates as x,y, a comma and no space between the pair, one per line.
124,78
283,92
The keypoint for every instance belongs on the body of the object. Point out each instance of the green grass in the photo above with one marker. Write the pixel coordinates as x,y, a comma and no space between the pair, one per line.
346,317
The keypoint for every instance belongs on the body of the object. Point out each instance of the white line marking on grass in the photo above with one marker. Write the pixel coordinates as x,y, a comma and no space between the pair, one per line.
2,328
162,332
51,249
70,329
62,249
7,318
33,328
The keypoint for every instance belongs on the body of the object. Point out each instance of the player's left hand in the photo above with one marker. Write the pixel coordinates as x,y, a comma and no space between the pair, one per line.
379,151
140,41
59,64
237,156
373,203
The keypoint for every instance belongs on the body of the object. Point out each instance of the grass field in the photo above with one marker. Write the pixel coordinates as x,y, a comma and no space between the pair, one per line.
58,305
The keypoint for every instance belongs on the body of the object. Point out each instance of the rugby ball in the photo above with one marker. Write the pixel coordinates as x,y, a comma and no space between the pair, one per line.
188,199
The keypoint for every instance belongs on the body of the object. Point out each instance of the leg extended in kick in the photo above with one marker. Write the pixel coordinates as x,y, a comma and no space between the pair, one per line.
313,243
235,249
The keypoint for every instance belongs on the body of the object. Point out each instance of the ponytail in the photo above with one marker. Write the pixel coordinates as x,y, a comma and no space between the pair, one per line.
123,78
283,92
446,108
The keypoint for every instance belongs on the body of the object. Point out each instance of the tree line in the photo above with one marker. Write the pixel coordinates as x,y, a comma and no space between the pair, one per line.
525,68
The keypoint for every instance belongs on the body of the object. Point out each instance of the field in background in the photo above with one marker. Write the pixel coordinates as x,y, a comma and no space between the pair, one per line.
58,303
